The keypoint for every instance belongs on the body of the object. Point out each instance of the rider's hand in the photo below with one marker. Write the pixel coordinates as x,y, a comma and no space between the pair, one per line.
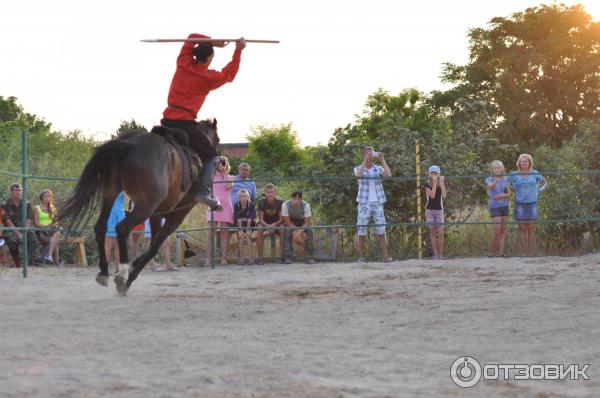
240,43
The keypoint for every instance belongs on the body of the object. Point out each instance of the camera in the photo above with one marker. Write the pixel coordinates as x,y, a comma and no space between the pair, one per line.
375,154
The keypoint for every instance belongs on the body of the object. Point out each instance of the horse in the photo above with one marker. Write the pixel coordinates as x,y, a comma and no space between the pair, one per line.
149,169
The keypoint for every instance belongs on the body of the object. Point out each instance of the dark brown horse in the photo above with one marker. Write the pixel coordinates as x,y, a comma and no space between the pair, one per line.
149,170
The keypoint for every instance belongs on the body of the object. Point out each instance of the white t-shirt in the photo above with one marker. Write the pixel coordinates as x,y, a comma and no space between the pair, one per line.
287,208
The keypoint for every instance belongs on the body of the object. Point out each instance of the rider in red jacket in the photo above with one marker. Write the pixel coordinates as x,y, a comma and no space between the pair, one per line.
190,85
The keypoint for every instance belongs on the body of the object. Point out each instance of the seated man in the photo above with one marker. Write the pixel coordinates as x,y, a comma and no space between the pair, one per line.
3,247
13,210
269,215
296,214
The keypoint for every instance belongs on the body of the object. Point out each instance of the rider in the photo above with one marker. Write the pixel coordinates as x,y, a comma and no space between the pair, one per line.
190,85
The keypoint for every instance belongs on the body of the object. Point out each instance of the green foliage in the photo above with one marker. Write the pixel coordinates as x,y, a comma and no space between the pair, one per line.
571,197
127,126
462,144
48,153
537,71
274,150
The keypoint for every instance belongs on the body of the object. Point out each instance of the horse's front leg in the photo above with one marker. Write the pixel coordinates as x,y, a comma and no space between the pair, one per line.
124,228
172,221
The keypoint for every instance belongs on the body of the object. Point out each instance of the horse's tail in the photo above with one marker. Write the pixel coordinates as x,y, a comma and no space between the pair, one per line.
83,202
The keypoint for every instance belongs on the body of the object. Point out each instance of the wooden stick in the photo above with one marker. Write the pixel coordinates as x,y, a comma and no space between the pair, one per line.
206,40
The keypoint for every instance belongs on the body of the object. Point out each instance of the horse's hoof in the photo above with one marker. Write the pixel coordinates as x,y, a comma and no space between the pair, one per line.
102,280
121,284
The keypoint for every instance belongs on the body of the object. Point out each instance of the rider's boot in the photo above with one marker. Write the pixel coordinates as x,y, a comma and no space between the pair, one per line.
203,187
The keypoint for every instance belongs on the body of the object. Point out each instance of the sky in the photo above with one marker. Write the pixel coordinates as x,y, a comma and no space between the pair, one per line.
80,65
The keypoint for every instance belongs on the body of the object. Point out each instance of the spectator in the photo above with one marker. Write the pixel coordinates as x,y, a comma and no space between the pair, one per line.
296,216
2,241
526,183
269,215
165,249
242,181
434,210
244,216
45,215
371,200
224,218
117,214
135,235
498,192
2,215
13,208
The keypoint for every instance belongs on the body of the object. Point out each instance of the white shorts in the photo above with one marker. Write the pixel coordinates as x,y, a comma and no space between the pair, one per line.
365,212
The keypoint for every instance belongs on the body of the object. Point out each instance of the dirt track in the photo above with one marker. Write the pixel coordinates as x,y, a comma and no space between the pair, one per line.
323,330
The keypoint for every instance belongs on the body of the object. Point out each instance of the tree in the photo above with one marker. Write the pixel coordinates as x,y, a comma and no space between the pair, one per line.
539,71
461,144
127,126
13,114
274,150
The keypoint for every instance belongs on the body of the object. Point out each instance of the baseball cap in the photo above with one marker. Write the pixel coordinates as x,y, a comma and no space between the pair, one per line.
434,169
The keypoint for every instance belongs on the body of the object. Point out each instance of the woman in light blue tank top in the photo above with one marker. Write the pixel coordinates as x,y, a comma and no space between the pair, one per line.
526,184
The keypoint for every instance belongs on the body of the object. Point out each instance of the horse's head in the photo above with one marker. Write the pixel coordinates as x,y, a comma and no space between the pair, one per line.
209,127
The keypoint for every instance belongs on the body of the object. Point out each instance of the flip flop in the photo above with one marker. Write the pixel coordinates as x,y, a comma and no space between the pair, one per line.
159,269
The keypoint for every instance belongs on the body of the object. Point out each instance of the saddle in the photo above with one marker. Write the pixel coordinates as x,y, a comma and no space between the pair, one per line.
191,164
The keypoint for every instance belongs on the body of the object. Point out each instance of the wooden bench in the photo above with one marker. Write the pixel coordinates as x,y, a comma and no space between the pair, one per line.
79,250
323,250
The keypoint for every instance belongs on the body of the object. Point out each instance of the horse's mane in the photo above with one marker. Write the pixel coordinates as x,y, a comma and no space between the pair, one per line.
209,126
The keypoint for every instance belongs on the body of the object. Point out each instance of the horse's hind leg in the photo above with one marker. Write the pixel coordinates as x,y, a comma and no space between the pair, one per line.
100,230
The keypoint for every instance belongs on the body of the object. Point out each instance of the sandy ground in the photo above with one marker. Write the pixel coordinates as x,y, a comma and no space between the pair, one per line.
323,330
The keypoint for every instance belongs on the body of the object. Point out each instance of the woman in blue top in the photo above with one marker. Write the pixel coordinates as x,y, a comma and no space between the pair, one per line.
526,183
117,214
498,191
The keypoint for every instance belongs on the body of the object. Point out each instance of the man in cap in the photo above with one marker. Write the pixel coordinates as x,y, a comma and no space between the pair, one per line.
435,190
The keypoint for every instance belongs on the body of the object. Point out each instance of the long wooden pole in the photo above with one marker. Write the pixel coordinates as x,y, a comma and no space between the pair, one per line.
418,174
206,40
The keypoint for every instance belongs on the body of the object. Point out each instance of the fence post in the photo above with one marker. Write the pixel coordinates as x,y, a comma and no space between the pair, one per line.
418,179
24,201
213,240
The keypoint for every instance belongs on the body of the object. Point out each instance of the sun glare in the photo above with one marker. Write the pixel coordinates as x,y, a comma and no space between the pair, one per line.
593,8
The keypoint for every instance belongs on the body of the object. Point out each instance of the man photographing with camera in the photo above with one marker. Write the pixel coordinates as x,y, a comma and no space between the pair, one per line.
371,200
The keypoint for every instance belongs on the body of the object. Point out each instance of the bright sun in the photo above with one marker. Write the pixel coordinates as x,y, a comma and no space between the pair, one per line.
593,8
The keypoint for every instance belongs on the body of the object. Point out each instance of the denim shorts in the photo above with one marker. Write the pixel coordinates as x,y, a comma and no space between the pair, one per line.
113,219
499,211
525,211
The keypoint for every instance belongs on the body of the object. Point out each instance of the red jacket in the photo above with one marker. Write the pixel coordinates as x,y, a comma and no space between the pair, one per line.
192,82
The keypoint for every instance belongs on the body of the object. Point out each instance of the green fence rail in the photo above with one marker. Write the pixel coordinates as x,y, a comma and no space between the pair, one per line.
403,178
